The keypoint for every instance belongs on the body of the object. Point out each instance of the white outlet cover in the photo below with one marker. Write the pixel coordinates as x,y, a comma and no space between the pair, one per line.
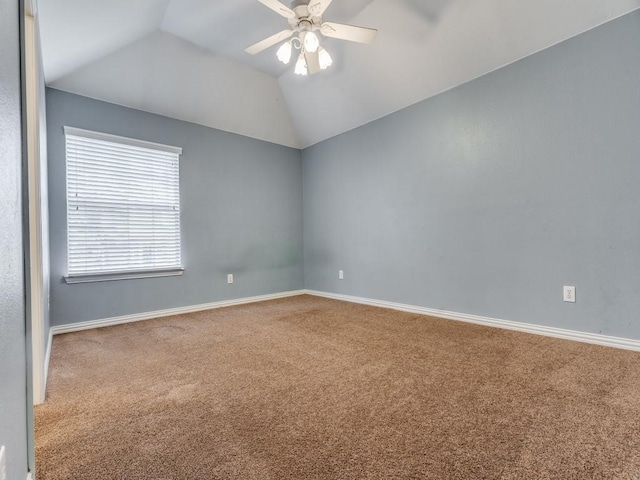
230,278
340,274
569,294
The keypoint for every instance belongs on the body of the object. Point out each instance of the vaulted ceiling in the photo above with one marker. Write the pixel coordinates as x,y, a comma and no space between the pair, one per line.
185,58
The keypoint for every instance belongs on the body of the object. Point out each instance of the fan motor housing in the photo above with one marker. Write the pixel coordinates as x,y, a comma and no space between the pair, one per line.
305,25
299,3
304,21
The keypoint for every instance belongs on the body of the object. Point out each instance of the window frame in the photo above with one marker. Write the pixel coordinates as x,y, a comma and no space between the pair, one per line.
74,278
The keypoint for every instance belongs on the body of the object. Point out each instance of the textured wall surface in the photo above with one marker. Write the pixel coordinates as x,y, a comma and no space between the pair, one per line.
487,199
13,387
241,202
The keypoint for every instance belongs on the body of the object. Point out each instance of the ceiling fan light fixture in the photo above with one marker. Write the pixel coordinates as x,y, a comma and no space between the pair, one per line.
324,58
284,53
301,66
311,42
305,18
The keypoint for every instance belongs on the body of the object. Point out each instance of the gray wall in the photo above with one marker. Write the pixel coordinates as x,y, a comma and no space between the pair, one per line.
13,386
241,202
487,199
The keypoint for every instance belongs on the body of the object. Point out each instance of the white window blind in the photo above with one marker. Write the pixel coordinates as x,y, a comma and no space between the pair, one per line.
123,205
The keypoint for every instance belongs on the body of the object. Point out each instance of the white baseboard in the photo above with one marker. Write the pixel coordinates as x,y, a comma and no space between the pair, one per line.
594,338
136,317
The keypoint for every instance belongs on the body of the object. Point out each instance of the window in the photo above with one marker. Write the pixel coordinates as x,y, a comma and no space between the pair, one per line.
123,208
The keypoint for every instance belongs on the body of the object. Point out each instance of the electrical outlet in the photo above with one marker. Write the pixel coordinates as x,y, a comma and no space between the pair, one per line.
3,464
340,274
230,278
569,294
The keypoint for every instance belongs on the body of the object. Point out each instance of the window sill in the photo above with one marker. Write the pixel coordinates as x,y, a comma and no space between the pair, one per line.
108,277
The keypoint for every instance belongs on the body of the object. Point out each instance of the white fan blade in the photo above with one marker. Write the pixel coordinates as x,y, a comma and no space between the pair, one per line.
348,32
313,62
268,42
317,7
279,8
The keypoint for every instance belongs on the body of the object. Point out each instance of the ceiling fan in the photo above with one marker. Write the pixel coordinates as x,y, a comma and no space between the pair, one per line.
305,19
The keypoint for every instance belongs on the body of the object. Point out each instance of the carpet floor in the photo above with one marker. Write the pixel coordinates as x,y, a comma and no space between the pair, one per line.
311,388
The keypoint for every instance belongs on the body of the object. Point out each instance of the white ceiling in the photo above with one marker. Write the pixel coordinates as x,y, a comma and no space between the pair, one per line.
185,58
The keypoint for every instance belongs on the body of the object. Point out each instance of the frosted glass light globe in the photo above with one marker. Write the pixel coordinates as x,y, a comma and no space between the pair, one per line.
284,53
301,66
324,58
311,42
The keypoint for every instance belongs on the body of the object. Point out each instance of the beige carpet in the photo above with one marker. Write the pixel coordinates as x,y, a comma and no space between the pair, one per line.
310,388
